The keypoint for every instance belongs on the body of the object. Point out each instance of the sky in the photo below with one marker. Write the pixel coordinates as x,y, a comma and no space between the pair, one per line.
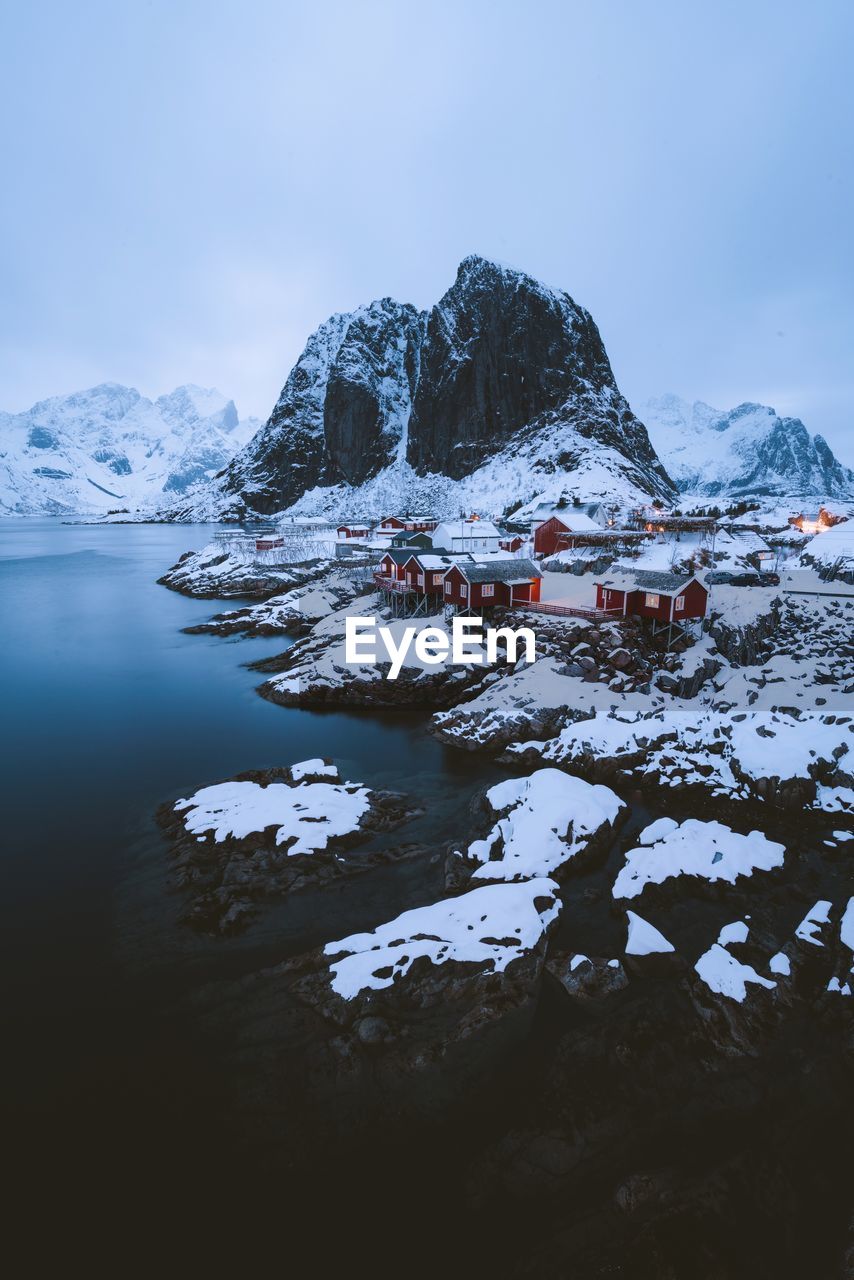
191,188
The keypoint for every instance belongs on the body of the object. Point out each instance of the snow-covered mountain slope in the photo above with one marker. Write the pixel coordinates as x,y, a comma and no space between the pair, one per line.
746,452
499,394
109,448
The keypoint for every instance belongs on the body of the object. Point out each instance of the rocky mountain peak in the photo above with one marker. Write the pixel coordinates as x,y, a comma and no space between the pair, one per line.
748,451
108,447
501,362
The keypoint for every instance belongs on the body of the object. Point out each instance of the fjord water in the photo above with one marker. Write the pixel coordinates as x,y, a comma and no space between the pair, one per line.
109,711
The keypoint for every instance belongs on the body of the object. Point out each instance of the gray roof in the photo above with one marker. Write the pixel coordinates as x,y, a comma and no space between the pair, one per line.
626,579
668,582
555,509
501,571
398,554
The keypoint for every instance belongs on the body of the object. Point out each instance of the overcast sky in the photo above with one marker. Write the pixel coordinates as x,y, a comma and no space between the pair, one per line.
190,188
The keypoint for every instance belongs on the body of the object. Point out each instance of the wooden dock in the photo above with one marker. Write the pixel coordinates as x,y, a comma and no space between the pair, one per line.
592,614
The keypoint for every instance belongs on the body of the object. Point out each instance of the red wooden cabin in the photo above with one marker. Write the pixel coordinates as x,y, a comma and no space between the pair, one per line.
548,536
511,543
392,563
666,597
480,586
268,544
353,531
390,525
425,572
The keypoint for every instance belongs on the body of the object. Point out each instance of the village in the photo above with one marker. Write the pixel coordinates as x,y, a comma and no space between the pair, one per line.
571,559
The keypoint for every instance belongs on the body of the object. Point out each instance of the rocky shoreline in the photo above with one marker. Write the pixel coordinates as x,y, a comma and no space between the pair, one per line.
649,1015
213,573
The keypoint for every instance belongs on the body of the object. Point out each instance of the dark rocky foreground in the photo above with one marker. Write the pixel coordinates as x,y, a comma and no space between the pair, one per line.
637,1134
613,1120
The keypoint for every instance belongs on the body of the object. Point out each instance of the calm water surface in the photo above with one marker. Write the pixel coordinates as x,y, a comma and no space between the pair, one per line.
108,711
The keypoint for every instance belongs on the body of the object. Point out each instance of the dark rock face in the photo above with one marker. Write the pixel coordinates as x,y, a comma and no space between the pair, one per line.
500,358
499,351
341,411
369,392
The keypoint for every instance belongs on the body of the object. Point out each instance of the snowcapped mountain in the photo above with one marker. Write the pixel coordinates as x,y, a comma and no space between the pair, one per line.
109,447
745,452
500,394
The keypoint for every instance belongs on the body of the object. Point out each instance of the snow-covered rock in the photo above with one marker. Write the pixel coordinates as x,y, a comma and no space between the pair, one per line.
269,833
814,922
220,571
489,927
587,979
111,449
726,976
644,939
705,850
548,819
306,817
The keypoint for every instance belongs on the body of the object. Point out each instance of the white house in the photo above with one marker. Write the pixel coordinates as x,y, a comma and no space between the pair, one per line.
466,535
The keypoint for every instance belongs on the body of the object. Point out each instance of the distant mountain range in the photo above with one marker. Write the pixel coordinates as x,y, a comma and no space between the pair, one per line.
748,451
110,448
500,395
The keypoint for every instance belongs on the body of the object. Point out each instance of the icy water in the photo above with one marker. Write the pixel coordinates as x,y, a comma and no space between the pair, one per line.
126,1037
108,711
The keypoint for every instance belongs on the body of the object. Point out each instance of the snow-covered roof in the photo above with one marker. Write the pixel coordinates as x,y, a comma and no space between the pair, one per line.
501,571
667,584
430,560
545,510
577,521
832,544
451,529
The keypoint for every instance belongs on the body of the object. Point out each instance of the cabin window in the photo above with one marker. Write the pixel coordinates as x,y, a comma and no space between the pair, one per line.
488,589
680,604
652,600
421,579
464,591
437,578
447,588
